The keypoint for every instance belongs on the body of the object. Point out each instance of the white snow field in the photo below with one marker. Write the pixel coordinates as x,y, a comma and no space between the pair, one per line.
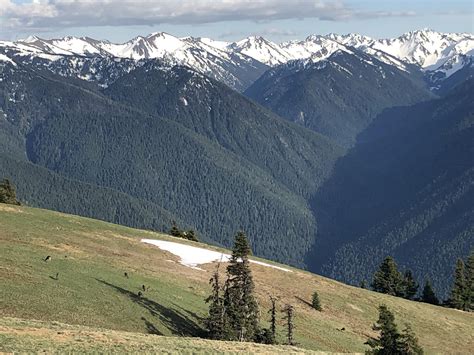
193,256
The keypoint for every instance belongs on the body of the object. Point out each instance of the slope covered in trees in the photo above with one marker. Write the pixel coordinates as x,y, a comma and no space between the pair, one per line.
406,190
255,175
337,97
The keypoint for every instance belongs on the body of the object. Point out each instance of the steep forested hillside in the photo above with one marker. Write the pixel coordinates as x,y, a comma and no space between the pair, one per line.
39,186
254,176
406,189
294,156
337,97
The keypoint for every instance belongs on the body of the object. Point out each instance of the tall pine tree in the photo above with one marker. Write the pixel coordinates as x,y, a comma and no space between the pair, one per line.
273,320
428,295
410,286
389,341
215,320
289,317
241,308
457,298
470,282
387,279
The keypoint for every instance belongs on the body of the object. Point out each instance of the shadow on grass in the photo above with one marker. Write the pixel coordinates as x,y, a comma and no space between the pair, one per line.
177,322
151,327
304,301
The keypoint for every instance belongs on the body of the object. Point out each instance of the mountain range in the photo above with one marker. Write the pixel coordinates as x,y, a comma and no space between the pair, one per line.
331,151
239,63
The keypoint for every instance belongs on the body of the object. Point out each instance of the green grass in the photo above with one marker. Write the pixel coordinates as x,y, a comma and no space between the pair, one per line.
91,290
18,335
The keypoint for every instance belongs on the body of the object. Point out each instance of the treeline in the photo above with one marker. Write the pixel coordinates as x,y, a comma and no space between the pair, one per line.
389,280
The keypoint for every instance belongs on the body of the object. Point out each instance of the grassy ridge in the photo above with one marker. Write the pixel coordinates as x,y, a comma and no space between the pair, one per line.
91,290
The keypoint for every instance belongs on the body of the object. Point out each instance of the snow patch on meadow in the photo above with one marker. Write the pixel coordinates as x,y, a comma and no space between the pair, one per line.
193,256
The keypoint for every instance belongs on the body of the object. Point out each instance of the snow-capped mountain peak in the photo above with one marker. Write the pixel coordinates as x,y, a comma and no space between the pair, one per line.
262,50
426,48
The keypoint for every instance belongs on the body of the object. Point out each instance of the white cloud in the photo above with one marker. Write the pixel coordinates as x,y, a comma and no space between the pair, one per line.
57,14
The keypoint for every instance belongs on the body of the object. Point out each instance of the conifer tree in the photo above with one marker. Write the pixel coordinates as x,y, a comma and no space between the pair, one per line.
363,284
289,317
8,193
410,286
315,303
470,282
215,320
389,340
387,279
273,320
241,308
191,235
175,231
409,342
457,298
428,295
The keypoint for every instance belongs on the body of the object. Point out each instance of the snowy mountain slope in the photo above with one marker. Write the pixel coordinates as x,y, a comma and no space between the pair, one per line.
315,47
262,50
240,63
212,58
426,48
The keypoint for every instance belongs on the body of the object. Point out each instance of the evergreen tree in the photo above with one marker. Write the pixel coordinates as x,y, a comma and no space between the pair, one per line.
241,308
273,320
363,284
428,295
410,286
457,298
389,340
409,342
215,320
289,317
388,279
315,302
8,193
175,231
191,235
470,282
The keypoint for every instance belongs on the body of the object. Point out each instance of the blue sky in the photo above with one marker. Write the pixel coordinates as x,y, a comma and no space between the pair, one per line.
229,19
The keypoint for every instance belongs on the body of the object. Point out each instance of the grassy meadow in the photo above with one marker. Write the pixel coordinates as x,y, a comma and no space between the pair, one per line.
81,299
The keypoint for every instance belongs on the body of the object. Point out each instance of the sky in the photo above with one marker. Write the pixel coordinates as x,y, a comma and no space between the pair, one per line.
230,20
